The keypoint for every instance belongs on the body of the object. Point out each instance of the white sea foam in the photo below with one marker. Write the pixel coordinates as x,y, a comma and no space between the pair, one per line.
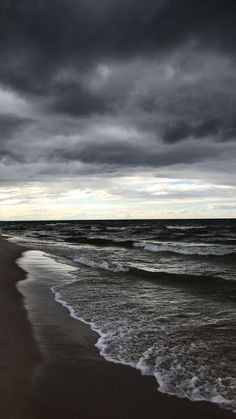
116,228
56,224
99,264
161,362
174,227
185,248
101,343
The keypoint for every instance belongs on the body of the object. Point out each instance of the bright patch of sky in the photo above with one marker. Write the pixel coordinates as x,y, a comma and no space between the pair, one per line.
132,197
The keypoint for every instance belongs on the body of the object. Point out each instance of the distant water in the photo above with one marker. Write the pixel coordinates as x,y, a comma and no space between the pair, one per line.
161,295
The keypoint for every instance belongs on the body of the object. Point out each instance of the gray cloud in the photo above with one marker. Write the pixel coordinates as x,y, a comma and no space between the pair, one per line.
122,154
77,99
38,38
118,87
9,124
221,128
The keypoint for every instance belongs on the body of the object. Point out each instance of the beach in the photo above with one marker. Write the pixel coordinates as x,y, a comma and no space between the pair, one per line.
76,382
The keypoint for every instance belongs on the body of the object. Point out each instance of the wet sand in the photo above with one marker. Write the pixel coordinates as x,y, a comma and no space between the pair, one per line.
72,381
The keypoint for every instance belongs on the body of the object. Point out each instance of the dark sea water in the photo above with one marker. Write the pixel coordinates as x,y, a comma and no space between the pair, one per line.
160,294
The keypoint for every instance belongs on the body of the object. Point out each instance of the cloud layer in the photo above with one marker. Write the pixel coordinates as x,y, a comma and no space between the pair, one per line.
116,89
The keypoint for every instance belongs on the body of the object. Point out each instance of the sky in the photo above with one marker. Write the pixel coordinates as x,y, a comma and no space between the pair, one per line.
117,109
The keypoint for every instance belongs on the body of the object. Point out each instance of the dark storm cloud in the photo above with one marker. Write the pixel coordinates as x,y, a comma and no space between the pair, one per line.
120,155
127,155
221,128
118,150
163,69
38,37
77,99
10,124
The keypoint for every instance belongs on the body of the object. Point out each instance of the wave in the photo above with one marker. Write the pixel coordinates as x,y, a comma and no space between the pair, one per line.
198,249
185,248
57,224
194,387
174,227
101,264
100,344
134,272
99,241
116,228
180,279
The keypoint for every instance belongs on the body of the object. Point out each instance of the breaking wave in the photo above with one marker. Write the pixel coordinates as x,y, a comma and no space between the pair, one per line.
186,248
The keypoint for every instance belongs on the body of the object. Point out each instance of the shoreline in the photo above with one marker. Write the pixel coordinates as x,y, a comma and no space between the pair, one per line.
76,381
19,354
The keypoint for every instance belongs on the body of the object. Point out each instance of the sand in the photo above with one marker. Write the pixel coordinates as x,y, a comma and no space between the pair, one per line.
74,382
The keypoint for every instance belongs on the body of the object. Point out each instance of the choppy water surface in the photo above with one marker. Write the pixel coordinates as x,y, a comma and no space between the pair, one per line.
161,295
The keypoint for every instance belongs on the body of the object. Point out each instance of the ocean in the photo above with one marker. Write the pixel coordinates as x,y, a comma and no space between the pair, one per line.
160,294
